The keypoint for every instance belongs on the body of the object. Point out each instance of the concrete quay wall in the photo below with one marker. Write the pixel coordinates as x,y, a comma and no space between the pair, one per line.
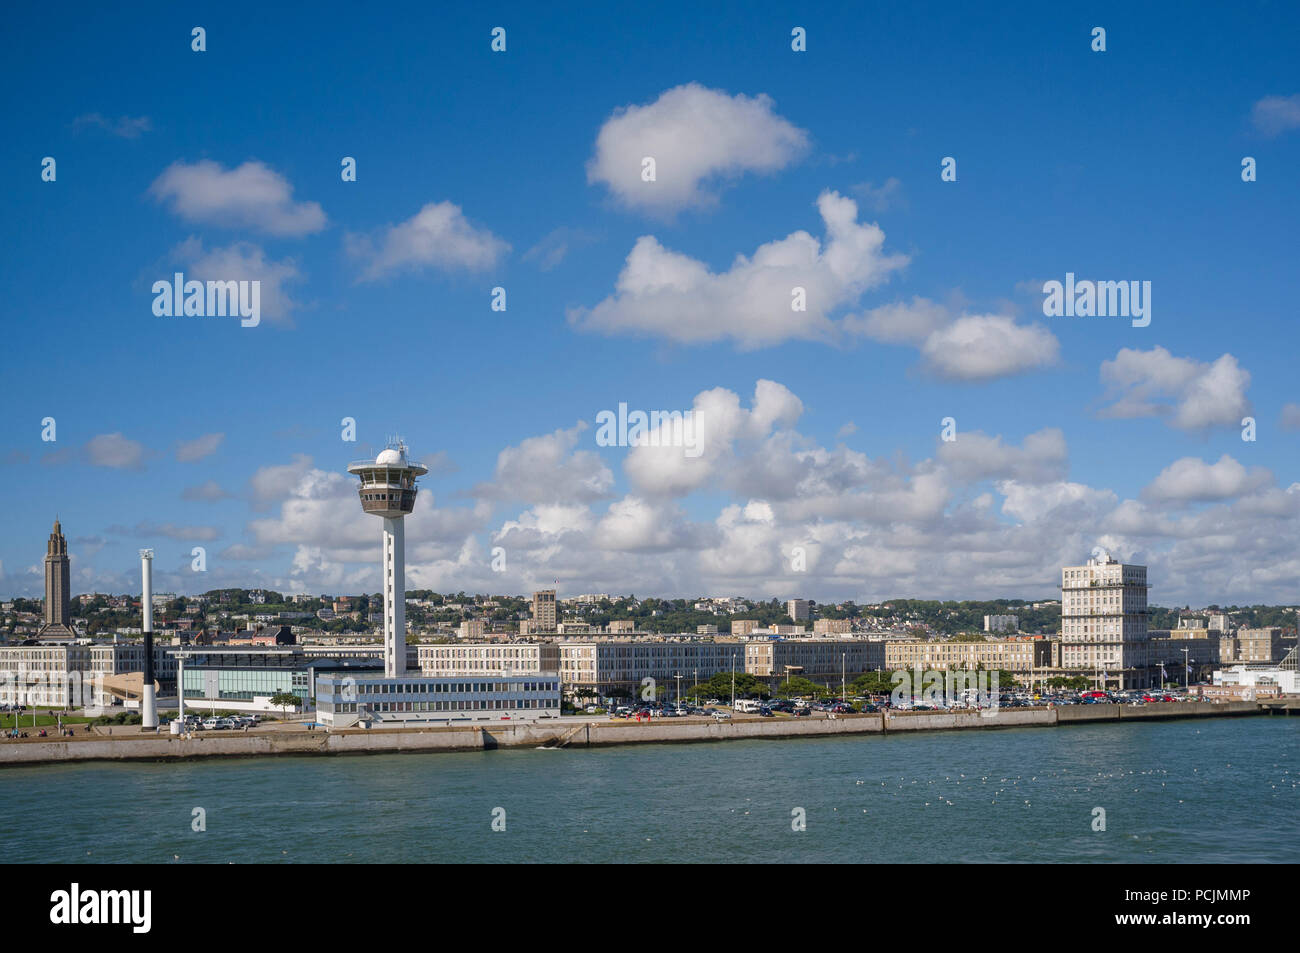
579,734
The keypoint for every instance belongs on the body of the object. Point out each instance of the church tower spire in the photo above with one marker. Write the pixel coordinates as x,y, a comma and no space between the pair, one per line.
58,586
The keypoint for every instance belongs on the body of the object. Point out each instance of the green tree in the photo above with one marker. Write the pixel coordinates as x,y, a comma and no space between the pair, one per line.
284,701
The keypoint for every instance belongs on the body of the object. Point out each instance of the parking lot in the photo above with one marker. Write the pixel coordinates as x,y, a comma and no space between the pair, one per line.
809,708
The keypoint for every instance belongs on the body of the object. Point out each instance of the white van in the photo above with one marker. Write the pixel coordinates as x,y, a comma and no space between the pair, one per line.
746,704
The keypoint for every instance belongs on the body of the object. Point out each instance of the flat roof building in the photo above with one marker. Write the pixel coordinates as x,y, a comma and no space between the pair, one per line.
1010,654
544,618
507,658
247,678
414,699
1104,621
623,666
813,657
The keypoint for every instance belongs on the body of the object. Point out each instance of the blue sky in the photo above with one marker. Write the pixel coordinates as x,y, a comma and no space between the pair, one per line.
1115,165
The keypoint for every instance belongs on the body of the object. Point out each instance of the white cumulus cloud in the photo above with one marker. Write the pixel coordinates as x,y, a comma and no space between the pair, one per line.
438,236
250,196
187,451
697,137
1193,480
1191,395
668,294
980,347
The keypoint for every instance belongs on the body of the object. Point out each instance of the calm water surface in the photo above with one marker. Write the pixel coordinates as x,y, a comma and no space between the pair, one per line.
1204,791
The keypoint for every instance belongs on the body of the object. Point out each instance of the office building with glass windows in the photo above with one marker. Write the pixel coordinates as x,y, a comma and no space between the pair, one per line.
247,679
411,700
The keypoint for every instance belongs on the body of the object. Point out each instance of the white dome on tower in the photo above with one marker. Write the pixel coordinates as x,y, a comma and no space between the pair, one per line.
391,457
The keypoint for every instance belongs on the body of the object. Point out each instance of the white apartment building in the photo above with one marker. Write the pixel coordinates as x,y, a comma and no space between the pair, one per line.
1104,621
1001,623
797,609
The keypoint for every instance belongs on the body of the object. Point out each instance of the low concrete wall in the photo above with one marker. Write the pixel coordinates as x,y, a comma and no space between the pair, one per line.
954,720
1071,713
1188,710
148,749
629,732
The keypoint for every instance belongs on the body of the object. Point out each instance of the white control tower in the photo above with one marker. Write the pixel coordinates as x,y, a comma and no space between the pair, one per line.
148,698
388,490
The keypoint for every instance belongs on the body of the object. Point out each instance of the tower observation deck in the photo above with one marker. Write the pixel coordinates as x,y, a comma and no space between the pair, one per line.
388,490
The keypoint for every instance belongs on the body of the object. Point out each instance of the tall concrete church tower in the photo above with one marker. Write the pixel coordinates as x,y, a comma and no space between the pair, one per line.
58,588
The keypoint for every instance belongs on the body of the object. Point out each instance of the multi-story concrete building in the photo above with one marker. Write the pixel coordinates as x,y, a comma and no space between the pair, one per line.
706,630
1185,658
797,609
544,611
813,657
1258,646
1010,654
76,674
471,629
512,658
743,627
622,665
1104,622
1001,623
832,626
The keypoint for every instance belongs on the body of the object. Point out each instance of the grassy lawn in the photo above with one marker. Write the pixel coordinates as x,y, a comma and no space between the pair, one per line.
43,720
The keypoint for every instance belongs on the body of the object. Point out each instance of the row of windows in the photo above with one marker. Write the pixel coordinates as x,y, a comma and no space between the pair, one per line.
495,704
488,653
444,688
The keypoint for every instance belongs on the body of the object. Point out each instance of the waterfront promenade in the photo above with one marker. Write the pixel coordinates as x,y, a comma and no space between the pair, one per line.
588,732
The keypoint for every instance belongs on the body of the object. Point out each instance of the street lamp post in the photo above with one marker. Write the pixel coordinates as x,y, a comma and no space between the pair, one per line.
1187,670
